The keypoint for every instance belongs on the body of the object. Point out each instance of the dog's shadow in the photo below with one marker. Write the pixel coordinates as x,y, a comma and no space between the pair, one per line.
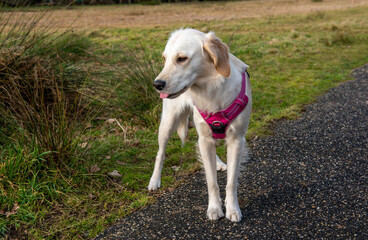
257,202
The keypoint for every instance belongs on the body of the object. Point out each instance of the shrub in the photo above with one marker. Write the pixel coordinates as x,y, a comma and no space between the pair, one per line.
43,111
39,90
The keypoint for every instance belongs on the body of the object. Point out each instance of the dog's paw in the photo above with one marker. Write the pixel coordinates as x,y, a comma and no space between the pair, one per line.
234,214
220,166
154,184
215,213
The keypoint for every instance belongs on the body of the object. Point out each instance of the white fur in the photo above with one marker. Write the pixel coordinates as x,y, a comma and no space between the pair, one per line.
211,91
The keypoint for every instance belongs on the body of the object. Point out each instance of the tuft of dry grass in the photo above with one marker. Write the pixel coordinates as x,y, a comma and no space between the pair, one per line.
136,92
38,90
42,115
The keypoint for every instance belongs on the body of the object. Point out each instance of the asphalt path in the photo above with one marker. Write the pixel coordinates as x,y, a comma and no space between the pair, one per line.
307,181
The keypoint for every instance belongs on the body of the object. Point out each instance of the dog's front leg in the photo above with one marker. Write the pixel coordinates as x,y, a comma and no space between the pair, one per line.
235,147
207,149
168,125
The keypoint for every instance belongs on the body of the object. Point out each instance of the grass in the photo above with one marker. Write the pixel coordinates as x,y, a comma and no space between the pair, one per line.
293,60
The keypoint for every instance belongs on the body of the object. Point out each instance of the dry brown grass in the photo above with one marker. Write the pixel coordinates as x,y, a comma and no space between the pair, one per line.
95,17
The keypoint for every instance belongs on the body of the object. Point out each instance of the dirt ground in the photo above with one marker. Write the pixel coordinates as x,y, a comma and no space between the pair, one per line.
89,18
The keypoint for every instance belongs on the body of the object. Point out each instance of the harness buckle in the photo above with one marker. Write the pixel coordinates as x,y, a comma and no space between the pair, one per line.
218,127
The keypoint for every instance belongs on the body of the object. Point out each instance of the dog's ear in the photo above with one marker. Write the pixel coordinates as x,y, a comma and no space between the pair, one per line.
219,53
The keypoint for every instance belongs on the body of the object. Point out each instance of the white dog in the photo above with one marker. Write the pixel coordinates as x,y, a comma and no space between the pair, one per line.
201,76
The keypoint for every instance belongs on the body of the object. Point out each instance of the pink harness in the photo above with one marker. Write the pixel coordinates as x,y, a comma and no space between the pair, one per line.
219,121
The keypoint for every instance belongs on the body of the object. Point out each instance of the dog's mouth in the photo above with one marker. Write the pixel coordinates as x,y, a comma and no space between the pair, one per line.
173,95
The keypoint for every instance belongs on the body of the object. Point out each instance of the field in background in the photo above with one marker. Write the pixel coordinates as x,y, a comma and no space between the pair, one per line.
296,51
121,16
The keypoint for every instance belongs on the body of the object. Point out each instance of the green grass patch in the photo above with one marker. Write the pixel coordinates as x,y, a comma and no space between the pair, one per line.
292,61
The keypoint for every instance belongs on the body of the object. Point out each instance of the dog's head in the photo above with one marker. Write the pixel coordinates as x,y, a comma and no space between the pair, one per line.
190,57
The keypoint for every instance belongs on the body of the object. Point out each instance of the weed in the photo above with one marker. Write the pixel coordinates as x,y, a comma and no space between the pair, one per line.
338,38
316,16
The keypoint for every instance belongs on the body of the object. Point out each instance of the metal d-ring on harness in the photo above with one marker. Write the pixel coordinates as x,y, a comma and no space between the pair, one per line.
219,121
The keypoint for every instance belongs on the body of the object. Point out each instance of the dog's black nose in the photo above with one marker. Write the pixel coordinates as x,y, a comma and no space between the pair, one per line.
159,84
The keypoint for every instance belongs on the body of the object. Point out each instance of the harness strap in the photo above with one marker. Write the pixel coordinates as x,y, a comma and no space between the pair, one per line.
219,121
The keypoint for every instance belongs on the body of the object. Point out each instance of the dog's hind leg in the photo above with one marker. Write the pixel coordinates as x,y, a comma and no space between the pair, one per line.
220,166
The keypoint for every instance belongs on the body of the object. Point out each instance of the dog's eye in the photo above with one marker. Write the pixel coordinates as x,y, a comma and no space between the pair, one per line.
182,59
